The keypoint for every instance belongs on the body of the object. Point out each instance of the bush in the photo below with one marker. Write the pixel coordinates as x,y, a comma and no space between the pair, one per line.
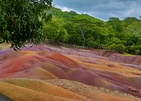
117,47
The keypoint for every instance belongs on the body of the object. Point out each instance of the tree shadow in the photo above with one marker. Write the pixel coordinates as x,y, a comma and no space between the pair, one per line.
5,98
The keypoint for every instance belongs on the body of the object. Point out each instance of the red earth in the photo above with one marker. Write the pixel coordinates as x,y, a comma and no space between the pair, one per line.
44,64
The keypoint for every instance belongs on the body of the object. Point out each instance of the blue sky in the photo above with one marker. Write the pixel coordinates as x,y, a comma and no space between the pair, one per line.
102,9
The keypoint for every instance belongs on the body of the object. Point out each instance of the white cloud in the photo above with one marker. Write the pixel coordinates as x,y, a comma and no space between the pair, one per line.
64,8
102,9
134,10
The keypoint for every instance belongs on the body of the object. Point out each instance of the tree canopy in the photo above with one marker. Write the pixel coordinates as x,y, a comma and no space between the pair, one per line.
84,30
24,21
21,20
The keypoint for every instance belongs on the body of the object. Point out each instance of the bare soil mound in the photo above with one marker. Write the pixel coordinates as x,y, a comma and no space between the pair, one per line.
93,92
91,67
32,90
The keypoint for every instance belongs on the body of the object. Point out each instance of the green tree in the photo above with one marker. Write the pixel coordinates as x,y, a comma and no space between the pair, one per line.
117,47
55,31
115,23
134,28
129,20
82,29
84,24
21,20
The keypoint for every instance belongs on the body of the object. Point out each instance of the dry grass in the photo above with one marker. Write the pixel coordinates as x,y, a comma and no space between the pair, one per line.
4,46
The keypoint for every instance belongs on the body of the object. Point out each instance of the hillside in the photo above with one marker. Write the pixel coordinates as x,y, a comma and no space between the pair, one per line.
55,73
84,30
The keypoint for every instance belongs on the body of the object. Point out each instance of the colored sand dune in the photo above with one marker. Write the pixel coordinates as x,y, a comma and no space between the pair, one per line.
49,73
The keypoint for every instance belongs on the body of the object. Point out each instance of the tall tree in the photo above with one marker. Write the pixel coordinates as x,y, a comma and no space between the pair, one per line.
116,24
129,20
84,23
21,20
55,31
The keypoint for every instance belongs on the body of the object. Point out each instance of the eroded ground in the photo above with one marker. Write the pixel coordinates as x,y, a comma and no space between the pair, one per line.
50,73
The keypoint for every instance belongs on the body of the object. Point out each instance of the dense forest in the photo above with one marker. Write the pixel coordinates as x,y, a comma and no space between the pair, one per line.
32,21
84,30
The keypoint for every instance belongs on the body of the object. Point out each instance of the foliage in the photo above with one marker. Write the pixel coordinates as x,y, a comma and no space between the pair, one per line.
117,47
26,21
55,31
82,29
21,21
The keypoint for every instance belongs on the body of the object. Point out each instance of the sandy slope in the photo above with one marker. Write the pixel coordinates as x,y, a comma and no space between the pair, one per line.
58,90
32,90
93,92
98,68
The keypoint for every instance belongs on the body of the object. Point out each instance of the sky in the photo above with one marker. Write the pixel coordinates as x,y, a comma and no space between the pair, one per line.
102,9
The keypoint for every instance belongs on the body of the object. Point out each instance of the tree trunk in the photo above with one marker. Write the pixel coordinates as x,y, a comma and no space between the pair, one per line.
83,36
